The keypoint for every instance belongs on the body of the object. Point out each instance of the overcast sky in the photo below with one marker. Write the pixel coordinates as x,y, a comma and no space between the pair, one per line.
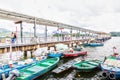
99,15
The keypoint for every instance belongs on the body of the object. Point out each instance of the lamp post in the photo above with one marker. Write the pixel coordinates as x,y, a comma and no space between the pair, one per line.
34,27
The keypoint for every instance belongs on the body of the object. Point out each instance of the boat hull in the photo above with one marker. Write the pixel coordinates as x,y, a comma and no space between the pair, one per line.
75,54
5,69
111,66
55,55
77,49
109,70
38,69
94,44
87,66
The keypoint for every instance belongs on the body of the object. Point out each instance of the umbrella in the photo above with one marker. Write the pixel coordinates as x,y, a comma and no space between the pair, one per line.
56,32
60,32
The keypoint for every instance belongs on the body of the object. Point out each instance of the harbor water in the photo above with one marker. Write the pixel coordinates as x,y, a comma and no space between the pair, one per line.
93,53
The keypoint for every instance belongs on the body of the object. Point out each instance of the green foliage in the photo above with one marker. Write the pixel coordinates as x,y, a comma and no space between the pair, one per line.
115,33
56,35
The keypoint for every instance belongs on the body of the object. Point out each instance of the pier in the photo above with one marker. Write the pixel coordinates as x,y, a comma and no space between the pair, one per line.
34,46
32,43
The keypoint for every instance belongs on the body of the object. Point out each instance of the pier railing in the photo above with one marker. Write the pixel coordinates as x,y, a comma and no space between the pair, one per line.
33,40
37,40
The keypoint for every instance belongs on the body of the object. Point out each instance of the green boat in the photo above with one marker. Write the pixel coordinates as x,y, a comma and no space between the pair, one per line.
87,66
77,49
38,69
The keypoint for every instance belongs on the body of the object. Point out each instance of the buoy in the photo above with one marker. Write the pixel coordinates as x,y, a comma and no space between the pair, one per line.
78,75
104,75
112,76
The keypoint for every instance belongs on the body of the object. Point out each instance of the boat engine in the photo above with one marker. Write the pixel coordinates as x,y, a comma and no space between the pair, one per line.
13,74
112,76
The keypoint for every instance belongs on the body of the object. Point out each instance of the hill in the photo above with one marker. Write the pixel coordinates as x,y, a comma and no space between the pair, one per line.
115,33
6,32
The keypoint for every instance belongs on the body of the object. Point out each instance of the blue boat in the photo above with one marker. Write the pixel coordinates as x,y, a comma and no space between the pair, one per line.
6,68
55,54
38,69
111,68
94,44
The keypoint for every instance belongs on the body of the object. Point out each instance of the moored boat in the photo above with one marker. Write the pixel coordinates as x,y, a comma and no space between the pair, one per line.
38,69
63,67
6,68
77,48
55,54
93,44
75,53
87,66
111,68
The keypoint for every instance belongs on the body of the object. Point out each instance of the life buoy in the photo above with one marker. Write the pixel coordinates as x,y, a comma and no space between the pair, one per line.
104,75
112,76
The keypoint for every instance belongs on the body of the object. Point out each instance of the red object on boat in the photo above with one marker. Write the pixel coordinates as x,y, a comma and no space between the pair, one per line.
11,65
115,54
75,53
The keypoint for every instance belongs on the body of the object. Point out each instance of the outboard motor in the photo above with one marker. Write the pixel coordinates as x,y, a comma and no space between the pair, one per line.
112,76
13,74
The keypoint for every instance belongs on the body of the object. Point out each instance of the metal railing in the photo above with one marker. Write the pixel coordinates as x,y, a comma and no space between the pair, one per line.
34,40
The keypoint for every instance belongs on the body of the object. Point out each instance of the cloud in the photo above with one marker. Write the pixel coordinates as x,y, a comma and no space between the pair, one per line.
97,15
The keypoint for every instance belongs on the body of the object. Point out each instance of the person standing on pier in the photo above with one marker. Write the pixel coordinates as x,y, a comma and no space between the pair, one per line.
13,39
115,53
